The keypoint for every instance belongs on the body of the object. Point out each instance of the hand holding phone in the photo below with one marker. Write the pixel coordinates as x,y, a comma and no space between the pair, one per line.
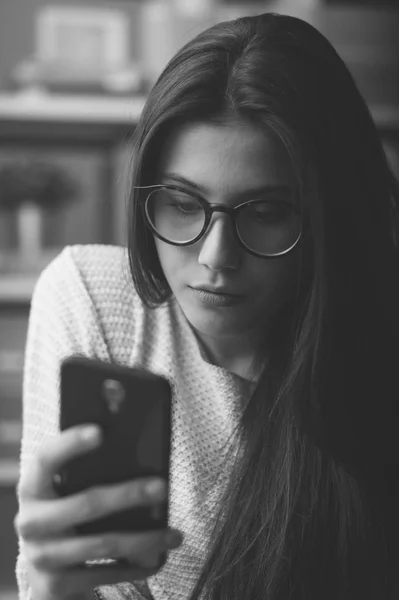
56,558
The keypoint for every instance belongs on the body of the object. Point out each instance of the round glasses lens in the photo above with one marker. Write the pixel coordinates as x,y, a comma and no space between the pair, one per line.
175,215
269,227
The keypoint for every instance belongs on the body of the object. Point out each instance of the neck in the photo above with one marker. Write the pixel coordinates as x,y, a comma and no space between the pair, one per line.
235,354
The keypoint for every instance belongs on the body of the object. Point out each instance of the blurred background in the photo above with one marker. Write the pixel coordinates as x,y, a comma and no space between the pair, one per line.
73,79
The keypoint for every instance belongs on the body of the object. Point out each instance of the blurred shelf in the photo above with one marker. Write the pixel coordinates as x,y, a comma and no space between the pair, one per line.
69,108
12,261
85,109
17,288
9,472
8,593
10,432
10,443
17,278
40,118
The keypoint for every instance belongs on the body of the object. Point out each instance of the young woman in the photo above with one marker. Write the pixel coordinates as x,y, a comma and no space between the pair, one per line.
263,250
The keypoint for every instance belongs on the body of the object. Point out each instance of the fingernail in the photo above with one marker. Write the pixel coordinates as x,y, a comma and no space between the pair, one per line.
90,433
174,539
155,488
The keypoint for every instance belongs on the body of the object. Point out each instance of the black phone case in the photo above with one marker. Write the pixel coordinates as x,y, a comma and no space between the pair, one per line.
133,408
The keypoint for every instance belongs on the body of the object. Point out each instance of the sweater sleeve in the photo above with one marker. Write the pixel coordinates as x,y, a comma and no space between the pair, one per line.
61,322
67,317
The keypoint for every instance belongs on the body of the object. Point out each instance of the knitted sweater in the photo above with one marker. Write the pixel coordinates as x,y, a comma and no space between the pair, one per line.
85,302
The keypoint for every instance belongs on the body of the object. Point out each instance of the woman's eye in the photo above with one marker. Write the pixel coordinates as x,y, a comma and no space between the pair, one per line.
184,205
269,210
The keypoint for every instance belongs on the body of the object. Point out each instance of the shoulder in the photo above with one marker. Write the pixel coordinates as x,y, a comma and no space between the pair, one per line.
87,263
87,272
88,287
88,291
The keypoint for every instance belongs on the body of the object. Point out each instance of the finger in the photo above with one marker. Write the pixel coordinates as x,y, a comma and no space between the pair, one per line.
142,549
85,578
46,518
37,481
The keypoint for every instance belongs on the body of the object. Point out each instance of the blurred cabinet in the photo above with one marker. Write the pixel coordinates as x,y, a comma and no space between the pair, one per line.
89,138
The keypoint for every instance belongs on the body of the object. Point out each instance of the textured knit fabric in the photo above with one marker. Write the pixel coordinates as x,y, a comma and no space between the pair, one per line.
85,303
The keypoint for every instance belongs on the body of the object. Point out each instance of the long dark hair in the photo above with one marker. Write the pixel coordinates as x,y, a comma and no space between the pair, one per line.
310,507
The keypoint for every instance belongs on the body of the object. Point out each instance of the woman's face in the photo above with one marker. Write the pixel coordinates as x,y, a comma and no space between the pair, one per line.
226,164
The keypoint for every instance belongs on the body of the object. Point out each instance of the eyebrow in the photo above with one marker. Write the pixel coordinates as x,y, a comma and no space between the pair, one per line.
203,190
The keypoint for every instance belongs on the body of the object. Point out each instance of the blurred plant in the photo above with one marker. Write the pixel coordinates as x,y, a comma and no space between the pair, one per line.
41,183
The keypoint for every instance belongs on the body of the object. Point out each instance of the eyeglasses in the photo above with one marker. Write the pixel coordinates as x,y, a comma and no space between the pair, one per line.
269,227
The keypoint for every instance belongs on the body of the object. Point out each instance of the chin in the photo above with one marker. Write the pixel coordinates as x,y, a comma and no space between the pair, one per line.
214,323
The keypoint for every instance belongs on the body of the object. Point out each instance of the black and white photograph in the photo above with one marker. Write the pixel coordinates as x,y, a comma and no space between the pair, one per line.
199,300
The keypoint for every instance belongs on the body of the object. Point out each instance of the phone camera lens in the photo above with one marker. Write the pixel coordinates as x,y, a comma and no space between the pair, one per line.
114,394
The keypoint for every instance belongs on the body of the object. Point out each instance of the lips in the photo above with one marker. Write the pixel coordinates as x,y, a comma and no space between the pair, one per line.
216,297
212,290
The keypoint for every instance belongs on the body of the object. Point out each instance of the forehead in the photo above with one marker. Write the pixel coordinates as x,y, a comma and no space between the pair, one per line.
227,155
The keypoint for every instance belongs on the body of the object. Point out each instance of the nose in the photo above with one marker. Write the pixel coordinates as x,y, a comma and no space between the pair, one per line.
219,247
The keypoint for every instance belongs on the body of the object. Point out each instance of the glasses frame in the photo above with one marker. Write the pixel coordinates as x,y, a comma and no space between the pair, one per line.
209,209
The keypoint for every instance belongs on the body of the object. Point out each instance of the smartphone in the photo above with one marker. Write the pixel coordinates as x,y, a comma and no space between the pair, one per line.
133,408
